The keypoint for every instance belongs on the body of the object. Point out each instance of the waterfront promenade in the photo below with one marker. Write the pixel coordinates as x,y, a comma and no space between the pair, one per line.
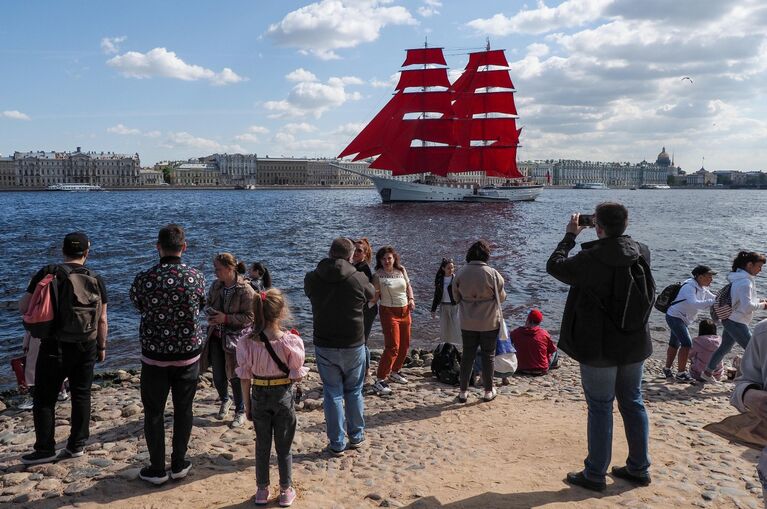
423,451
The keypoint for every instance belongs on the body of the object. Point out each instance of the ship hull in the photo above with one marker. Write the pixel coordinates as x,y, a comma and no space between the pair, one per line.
392,190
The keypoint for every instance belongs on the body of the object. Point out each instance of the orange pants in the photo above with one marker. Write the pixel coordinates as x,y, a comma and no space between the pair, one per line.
395,323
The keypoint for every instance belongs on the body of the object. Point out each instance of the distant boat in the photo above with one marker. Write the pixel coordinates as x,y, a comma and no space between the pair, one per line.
590,185
654,186
75,187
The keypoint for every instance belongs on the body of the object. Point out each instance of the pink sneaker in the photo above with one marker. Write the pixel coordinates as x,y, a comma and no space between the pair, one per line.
287,496
262,496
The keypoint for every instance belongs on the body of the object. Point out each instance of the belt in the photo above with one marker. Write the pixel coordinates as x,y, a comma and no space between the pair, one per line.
268,382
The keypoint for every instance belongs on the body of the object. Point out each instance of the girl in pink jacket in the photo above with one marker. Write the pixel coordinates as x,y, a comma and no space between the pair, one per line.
703,347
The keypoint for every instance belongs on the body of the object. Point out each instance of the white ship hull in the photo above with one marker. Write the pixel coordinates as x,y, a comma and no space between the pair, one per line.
392,190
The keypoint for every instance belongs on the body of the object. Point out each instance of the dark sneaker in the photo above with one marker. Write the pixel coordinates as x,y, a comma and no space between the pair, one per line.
38,457
578,479
358,444
66,454
684,376
640,479
667,373
156,477
180,473
382,388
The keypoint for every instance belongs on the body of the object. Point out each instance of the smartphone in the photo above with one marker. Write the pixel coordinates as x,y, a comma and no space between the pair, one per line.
586,220
209,310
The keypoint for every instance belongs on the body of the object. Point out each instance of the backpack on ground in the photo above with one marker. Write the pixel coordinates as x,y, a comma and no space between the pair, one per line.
79,304
40,318
722,307
446,364
667,297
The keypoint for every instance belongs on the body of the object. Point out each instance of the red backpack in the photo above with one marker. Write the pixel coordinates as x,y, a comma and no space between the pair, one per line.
40,318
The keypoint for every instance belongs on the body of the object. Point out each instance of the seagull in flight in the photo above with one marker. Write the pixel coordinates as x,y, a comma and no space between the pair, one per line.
686,78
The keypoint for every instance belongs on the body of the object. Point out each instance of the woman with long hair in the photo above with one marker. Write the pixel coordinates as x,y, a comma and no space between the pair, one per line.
478,290
449,324
396,303
745,267
260,279
230,312
363,254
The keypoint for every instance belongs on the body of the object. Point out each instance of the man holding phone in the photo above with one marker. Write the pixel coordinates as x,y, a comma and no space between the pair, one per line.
604,328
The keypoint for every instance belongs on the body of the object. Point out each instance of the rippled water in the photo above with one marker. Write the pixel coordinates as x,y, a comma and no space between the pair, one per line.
291,231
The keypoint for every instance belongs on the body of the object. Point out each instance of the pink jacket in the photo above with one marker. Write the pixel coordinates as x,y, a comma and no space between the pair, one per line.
253,358
703,347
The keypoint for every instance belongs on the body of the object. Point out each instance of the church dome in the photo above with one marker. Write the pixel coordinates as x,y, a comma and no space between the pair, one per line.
663,158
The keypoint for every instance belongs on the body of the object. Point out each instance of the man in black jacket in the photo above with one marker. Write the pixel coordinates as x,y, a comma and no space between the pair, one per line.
339,293
604,328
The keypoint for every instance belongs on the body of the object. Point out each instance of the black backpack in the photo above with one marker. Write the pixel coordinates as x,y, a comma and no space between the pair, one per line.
632,297
667,297
446,364
79,304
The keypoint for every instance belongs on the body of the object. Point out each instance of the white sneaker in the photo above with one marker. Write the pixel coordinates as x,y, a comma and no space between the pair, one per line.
27,404
63,396
382,388
708,378
398,378
223,410
490,395
239,420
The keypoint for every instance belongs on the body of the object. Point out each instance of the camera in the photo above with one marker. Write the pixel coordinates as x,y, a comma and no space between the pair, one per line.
586,220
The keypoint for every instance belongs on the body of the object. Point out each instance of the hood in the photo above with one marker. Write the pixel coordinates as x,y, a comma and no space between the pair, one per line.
333,270
620,251
739,275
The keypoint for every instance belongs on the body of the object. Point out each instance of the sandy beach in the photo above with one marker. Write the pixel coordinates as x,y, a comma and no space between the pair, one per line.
423,450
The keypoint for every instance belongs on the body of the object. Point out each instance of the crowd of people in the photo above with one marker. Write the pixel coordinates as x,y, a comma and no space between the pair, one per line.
244,341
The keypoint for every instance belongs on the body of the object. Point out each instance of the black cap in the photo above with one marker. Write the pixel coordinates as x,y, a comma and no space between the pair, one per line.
701,270
76,244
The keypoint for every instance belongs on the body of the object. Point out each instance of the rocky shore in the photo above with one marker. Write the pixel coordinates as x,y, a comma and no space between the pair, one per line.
423,450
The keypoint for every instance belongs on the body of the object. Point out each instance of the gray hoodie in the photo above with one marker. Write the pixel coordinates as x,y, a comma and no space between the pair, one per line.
753,367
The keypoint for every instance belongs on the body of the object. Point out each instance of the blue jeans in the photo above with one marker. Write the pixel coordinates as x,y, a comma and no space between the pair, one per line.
734,332
220,381
601,386
342,371
679,335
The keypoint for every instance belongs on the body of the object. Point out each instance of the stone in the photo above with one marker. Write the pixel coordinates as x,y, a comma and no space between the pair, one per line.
131,410
100,462
22,498
129,474
14,479
2,406
122,375
48,485
373,496
76,487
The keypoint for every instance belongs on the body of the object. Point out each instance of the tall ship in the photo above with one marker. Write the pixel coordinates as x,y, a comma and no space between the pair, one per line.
451,135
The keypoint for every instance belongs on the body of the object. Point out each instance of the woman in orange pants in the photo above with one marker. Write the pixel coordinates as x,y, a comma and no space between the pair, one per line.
395,298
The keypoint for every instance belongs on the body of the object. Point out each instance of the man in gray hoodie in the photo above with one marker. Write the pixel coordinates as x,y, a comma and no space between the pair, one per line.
339,293
750,393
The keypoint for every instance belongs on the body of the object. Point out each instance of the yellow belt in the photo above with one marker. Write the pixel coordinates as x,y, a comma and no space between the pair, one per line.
262,382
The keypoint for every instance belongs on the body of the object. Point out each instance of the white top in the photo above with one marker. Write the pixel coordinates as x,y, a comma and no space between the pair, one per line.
691,298
445,294
744,298
394,288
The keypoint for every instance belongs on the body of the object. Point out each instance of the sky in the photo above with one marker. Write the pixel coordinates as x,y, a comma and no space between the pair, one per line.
600,80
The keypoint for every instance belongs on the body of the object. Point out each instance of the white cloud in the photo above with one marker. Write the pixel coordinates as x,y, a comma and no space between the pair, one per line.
257,129
570,13
111,45
247,138
159,62
15,115
186,140
349,129
390,83
429,8
127,131
301,127
322,27
301,74
313,97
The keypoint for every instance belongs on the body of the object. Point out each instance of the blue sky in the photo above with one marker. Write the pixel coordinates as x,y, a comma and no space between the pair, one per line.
597,79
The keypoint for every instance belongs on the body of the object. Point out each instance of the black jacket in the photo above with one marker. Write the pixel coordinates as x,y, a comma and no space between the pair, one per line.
439,288
338,293
588,335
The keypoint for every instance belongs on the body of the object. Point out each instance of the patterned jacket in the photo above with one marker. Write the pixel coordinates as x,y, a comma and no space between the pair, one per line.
169,297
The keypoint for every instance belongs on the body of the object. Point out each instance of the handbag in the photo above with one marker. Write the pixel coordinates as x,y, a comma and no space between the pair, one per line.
505,361
232,338
503,331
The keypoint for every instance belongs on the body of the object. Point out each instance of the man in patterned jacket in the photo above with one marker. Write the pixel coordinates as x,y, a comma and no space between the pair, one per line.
169,297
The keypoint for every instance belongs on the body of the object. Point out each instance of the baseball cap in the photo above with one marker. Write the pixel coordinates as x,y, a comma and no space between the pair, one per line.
701,270
76,244
535,316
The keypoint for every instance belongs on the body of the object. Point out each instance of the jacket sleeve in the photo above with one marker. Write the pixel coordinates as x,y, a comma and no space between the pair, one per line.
438,289
243,315
308,284
500,282
751,373
457,288
135,293
744,297
703,301
559,265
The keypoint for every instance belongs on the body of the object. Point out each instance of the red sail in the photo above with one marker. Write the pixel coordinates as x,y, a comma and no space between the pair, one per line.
491,129
495,161
424,56
473,80
423,78
369,138
407,160
494,102
491,57
437,130
439,102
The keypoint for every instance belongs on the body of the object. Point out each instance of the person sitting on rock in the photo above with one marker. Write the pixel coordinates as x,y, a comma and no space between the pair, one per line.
536,352
274,360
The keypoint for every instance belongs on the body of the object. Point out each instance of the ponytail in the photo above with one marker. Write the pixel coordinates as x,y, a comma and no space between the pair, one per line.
746,257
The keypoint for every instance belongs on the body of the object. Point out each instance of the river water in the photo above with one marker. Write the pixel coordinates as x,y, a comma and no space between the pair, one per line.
292,230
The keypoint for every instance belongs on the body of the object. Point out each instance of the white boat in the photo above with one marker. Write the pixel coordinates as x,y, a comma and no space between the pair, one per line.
654,186
590,185
438,129
75,187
